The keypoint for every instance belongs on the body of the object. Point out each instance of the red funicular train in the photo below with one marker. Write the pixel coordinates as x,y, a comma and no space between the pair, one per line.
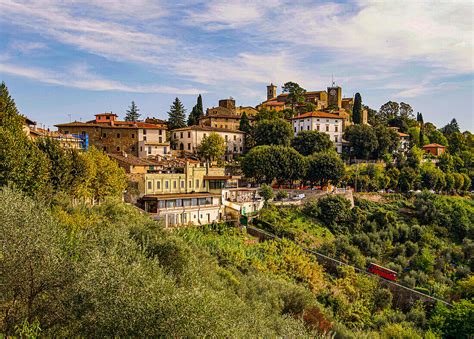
382,271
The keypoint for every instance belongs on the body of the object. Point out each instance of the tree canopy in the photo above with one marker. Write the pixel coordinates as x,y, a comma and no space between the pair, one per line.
309,142
272,132
196,113
357,109
212,147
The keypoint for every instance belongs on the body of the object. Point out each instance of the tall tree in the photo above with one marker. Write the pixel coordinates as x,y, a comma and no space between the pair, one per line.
22,164
295,94
387,141
389,110
176,115
309,142
406,111
196,113
451,128
132,113
357,109
363,140
244,124
272,132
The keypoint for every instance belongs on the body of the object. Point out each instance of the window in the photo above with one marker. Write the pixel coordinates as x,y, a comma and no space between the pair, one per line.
182,183
317,119
327,120
174,184
144,138
226,138
104,148
166,184
335,138
295,129
150,185
197,183
189,134
107,117
158,185
118,135
336,128
307,127
181,135
144,132
165,150
104,135
317,127
160,140
175,135
204,184
161,131
189,146
190,183
133,136
235,137
301,128
118,148
327,128
149,150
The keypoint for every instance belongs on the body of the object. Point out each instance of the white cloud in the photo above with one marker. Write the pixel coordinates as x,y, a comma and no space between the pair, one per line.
79,76
106,36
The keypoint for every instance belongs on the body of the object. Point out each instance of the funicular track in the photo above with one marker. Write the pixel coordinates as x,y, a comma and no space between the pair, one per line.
404,296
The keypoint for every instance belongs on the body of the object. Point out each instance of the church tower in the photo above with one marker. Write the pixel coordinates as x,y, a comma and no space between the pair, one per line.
334,97
271,91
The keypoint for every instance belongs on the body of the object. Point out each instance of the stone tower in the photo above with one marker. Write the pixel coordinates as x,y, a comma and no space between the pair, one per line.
271,91
334,97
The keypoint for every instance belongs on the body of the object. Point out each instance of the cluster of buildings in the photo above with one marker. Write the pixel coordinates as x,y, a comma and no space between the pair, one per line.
165,176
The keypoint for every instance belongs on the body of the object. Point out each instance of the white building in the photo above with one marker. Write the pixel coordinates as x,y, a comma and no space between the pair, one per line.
152,142
329,123
189,138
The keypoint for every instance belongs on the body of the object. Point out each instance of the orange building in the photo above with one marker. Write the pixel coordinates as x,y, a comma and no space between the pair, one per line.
434,149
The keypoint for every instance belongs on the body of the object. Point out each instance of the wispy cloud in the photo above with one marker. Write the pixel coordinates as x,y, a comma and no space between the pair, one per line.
80,76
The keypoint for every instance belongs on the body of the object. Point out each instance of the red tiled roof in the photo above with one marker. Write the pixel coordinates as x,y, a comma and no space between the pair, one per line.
318,114
116,124
207,128
434,145
403,134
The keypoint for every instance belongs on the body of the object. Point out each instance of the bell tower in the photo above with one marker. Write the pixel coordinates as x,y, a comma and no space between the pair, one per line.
271,91
334,97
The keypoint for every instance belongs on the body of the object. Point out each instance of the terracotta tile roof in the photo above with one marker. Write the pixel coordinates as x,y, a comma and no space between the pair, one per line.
318,114
170,196
117,124
434,145
207,128
227,116
403,134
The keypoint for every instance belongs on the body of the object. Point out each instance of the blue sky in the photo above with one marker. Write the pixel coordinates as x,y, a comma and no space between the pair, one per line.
76,58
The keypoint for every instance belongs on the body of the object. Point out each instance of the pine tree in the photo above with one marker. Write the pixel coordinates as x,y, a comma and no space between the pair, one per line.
244,123
132,113
357,109
196,113
176,115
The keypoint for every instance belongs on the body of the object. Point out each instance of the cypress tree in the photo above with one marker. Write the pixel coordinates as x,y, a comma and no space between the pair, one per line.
176,115
196,113
244,123
132,113
357,109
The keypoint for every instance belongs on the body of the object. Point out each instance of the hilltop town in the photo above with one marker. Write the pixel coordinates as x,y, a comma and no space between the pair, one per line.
208,167
308,214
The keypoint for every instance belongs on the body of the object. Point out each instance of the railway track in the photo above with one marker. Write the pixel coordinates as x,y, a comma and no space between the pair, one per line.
404,294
